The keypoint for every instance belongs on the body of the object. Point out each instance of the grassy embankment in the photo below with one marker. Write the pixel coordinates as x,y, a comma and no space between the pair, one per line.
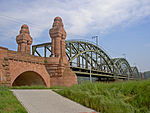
9,103
121,97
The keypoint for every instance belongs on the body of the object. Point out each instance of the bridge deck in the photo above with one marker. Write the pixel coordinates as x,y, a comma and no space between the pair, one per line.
96,73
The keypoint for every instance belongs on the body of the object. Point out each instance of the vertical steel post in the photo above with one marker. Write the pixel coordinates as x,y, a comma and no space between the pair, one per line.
86,58
91,60
70,53
96,37
44,51
96,62
78,58
82,61
33,50
90,73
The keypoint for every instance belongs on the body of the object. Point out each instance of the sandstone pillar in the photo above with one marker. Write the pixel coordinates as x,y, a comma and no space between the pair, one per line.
58,36
62,74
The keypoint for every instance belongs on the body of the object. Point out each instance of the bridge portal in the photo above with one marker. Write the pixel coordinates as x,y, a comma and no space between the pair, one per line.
22,68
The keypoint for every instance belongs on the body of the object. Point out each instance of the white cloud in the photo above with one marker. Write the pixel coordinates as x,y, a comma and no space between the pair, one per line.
79,17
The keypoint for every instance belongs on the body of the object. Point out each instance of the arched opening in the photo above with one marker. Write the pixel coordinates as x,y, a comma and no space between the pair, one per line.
29,78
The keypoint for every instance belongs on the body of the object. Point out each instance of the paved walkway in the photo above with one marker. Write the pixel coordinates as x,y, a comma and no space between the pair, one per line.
47,101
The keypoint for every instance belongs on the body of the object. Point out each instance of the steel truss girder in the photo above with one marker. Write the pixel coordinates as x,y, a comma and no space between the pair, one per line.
87,47
135,72
81,50
124,66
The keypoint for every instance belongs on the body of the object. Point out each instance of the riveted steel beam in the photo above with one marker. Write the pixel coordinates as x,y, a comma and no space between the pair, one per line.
82,52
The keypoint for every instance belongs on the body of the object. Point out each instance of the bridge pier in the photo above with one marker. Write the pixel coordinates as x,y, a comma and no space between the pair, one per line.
58,65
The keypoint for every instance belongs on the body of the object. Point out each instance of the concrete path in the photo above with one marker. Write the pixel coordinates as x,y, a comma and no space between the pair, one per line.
47,101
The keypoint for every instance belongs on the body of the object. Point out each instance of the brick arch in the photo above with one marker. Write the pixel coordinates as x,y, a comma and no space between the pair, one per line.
29,78
18,67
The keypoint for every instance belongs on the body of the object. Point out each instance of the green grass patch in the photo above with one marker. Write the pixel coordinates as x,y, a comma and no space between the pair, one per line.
37,87
119,97
9,103
29,87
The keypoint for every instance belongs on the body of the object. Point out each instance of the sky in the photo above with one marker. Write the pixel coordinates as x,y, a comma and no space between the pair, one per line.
122,26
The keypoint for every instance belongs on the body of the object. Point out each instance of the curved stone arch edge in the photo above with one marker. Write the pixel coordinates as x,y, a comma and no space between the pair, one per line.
44,80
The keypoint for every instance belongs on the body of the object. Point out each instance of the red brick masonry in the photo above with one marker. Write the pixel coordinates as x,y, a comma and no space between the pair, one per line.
54,72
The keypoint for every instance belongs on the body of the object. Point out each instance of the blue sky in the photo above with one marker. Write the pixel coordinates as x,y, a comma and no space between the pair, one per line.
122,25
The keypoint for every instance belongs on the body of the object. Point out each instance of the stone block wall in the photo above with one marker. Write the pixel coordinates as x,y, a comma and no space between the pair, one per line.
13,64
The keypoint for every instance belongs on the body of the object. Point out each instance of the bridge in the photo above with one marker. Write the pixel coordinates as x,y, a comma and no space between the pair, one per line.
59,63
87,58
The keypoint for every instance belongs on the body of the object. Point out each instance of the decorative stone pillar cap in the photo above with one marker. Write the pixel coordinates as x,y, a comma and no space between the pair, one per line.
24,36
57,29
24,29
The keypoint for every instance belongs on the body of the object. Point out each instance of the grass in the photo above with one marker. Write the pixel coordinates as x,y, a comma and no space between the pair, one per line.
119,97
9,103
37,87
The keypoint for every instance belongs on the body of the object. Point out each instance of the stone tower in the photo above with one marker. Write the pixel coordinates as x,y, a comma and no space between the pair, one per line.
58,65
58,36
24,40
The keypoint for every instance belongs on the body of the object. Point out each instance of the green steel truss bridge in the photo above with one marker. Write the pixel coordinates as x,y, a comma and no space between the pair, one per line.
86,57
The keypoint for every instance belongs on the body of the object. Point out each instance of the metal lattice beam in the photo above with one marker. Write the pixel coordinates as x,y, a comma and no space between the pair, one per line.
85,54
